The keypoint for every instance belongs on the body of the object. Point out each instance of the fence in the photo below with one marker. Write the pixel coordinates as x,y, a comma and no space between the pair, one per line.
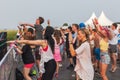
3,45
7,60
8,65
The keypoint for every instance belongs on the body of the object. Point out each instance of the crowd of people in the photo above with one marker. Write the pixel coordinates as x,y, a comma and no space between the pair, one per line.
88,50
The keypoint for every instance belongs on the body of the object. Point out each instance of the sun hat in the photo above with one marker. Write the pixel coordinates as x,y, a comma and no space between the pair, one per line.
65,26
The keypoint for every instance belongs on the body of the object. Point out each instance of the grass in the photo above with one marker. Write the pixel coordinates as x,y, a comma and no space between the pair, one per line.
11,34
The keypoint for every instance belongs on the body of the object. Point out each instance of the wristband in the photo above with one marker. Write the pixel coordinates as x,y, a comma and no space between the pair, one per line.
70,42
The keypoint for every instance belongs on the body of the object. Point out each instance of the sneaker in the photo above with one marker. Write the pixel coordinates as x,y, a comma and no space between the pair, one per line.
60,65
73,75
70,66
110,69
114,69
97,73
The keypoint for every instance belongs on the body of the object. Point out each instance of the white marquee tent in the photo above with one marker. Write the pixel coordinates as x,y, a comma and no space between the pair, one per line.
103,20
89,21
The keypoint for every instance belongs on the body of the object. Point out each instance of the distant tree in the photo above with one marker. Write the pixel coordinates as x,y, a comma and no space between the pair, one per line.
65,24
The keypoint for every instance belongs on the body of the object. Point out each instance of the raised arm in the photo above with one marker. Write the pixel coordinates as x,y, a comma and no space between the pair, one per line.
48,22
71,48
98,27
27,24
33,42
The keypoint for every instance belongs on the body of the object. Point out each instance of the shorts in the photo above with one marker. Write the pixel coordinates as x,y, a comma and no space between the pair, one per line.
104,58
29,65
97,53
112,48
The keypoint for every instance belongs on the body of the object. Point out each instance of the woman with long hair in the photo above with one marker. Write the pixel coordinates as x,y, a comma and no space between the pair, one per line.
47,63
83,67
104,56
27,56
57,55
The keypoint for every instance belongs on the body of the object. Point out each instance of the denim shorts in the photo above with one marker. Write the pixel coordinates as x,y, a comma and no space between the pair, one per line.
104,58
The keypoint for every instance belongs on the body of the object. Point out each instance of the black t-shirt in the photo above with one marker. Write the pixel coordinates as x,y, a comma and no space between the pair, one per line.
67,41
39,30
27,55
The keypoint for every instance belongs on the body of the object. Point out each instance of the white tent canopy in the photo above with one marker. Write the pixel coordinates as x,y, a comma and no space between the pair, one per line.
89,21
103,20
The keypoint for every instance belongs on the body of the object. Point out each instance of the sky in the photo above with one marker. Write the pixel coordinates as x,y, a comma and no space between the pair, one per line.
13,12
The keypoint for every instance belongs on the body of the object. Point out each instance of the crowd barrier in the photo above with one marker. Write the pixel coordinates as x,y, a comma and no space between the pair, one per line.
8,66
7,59
10,62
3,45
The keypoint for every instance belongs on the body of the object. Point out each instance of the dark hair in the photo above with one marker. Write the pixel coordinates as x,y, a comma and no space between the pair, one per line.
76,25
57,36
114,24
94,30
70,28
48,36
41,19
30,30
28,37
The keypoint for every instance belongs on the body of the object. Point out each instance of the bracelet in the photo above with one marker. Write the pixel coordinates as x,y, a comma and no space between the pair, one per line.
70,42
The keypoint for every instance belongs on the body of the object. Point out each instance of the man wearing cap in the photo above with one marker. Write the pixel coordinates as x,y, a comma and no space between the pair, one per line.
81,25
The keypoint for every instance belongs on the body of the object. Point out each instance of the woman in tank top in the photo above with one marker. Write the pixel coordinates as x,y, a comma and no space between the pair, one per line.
104,56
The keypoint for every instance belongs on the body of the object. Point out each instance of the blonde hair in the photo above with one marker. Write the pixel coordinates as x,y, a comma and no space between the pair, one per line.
86,32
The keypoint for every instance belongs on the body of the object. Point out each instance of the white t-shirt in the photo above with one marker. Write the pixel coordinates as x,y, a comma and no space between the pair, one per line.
114,40
84,67
45,57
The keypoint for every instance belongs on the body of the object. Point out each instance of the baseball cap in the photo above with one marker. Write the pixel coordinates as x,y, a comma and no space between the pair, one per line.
81,25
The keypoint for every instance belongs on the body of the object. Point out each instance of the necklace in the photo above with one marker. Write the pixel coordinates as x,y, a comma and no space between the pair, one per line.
84,41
